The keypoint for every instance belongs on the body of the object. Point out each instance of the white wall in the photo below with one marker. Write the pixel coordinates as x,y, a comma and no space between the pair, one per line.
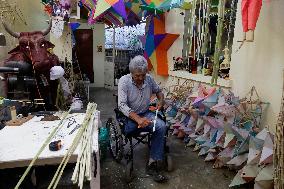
261,63
99,57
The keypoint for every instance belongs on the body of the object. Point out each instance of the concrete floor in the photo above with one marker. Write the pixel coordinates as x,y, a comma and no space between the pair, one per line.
190,171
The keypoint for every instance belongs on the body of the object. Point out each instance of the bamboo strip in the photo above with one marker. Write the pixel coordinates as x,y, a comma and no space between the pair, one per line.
55,180
75,143
85,151
221,12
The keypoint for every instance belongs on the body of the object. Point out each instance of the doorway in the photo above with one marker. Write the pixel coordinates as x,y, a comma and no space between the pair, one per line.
84,51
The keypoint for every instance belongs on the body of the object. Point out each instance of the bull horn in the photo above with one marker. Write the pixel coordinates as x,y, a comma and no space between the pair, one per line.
12,33
47,30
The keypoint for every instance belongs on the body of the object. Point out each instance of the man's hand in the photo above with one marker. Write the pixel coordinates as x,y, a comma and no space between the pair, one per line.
161,102
143,122
160,105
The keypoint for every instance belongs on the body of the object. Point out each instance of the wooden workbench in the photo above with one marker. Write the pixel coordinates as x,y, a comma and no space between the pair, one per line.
19,144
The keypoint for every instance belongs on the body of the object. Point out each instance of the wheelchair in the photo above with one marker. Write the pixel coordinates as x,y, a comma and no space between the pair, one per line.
118,140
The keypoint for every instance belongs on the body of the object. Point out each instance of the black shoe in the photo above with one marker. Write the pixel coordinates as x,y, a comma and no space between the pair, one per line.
153,170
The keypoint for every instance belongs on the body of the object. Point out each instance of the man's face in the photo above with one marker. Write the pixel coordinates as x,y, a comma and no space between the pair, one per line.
139,77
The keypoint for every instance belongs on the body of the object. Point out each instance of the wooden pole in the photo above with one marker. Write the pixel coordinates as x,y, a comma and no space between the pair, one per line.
279,147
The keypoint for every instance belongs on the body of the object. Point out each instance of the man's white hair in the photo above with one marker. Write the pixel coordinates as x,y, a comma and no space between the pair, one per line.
138,63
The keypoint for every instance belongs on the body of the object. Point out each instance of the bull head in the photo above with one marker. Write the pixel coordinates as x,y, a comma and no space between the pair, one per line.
34,46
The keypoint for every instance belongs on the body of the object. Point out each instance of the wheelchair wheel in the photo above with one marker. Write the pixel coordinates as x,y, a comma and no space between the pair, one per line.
129,172
115,140
169,163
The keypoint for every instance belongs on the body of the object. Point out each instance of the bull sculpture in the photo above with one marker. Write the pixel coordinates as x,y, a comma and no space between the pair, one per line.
33,58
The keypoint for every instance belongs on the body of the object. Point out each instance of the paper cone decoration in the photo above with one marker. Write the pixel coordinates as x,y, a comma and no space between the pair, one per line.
262,135
241,134
267,151
213,135
266,173
250,172
225,109
223,157
266,184
208,144
176,125
203,151
196,148
238,160
157,44
191,143
210,156
201,139
244,147
254,156
227,152
212,100
194,94
220,134
206,130
255,147
264,179
238,180
199,124
193,136
212,121
230,140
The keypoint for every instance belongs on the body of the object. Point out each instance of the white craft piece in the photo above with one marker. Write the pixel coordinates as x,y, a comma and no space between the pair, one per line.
219,135
250,172
262,134
238,180
210,156
199,124
57,27
264,179
77,104
254,156
238,160
255,147
228,139
206,130
267,151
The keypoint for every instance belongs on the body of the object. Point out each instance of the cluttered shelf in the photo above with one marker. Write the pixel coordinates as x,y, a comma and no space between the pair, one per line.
200,78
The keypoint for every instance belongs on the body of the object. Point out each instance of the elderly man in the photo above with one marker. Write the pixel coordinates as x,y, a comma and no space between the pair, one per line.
134,93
